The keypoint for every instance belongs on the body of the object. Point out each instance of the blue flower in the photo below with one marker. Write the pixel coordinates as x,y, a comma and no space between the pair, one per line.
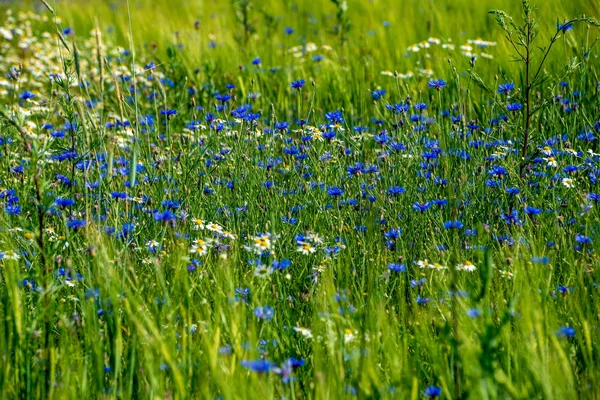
532,210
165,216
298,84
168,113
396,190
506,87
61,202
453,225
437,83
27,95
260,366
432,392
397,267
377,94
256,61
76,224
265,313
582,239
282,126
335,191
566,332
564,27
514,107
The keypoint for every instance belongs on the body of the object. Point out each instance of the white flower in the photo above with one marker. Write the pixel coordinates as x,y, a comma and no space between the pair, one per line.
506,274
568,182
305,248
11,255
307,333
467,266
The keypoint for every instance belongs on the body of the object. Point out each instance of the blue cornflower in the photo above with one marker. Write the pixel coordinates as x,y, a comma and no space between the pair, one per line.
289,30
582,239
432,392
498,170
540,260
566,332
532,210
397,267
164,216
282,126
514,107
265,313
168,113
513,190
76,224
437,83
298,84
421,206
453,225
378,94
223,98
564,27
64,202
335,191
260,366
506,87
256,61
473,312
396,190
27,95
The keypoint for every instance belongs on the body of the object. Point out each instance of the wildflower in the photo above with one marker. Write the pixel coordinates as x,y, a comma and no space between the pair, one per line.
540,260
266,313
298,84
473,312
27,95
453,225
305,248
397,267
76,224
10,255
467,266
568,182
335,191
260,366
437,266
432,392
349,336
529,210
377,94
506,274
307,333
164,216
514,107
437,84
564,27
582,239
566,332
168,113
506,88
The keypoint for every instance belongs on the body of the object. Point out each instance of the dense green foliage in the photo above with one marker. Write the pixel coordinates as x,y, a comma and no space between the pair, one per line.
240,199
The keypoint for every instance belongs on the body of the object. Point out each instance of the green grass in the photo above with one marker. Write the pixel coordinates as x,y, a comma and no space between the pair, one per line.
118,308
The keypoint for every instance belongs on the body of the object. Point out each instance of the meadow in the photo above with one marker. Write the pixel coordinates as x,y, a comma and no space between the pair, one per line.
299,199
